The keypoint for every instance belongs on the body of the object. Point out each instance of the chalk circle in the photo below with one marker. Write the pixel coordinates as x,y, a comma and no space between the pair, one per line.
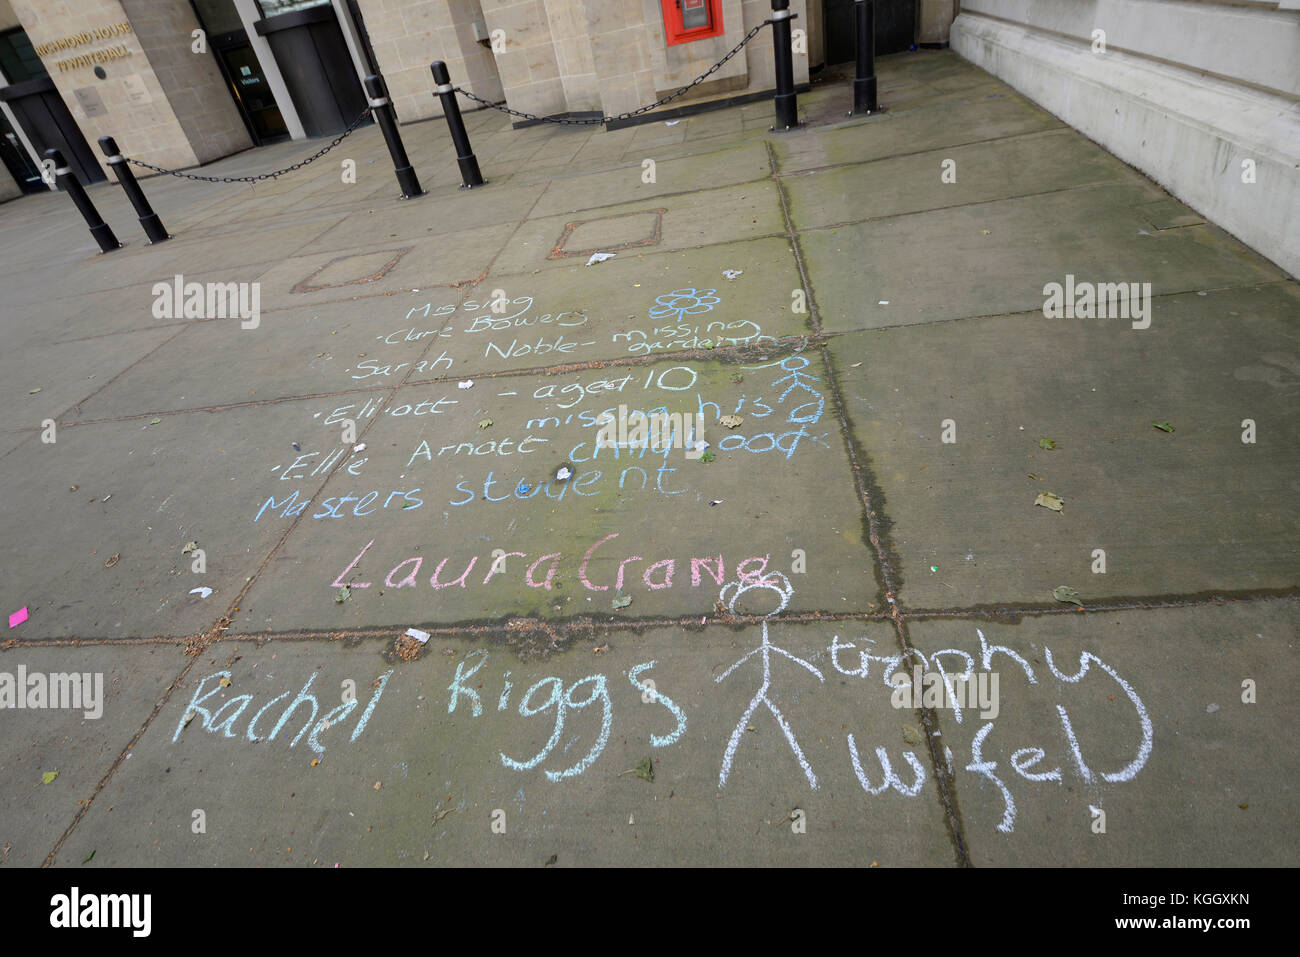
776,584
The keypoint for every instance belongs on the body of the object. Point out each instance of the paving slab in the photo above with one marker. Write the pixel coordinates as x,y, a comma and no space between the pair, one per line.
291,352
912,131
1008,167
43,382
727,214
739,164
438,491
143,490
114,690
451,211
384,269
1000,256
424,780
674,301
1188,512
1141,717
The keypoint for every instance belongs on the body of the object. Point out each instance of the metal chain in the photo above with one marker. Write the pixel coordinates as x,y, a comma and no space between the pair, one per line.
568,121
262,176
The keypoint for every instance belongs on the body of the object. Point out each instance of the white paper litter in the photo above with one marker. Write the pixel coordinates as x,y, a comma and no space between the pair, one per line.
203,591
732,273
599,258
562,474
465,385
359,448
418,635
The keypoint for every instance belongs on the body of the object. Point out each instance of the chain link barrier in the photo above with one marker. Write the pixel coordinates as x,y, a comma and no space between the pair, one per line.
261,176
596,120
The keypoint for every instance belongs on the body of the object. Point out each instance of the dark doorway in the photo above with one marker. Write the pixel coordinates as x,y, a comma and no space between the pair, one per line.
48,123
25,173
40,111
242,72
895,28
317,68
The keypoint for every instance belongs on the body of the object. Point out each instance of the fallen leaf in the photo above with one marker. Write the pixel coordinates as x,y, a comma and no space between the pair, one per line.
343,594
113,560
912,735
224,682
154,421
731,421
1050,500
189,547
1066,593
34,391
1047,444
1163,426
485,423
92,854
552,860
410,505
49,776
622,601
1036,478
646,770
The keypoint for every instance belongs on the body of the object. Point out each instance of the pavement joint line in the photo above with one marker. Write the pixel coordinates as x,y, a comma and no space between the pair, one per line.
1098,184
563,369
112,768
739,351
251,403
945,783
104,385
1013,614
837,333
877,524
1009,615
893,156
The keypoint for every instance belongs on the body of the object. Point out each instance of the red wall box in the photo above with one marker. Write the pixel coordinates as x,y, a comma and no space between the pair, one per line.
688,20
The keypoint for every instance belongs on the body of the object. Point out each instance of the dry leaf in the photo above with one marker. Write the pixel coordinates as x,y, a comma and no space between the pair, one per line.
1050,500
731,421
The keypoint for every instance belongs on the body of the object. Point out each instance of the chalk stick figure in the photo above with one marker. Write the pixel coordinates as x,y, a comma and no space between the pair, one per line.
780,585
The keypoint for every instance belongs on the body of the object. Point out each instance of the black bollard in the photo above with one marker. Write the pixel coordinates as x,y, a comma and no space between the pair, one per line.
787,107
864,82
469,172
68,180
382,110
153,227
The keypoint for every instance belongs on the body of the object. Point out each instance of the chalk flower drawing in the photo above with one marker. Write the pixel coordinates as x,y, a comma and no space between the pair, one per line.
778,583
683,302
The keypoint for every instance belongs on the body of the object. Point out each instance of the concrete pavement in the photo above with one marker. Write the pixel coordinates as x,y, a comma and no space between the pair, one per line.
854,312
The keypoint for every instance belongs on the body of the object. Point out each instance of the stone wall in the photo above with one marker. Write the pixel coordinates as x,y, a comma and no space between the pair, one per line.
408,35
1200,96
136,93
